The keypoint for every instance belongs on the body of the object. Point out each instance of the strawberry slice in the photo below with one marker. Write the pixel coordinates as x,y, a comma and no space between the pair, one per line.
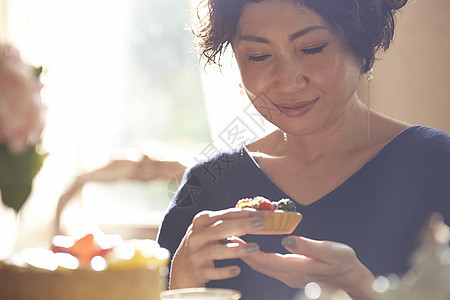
265,204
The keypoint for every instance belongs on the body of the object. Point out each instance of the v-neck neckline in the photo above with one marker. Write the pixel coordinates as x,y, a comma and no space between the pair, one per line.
360,172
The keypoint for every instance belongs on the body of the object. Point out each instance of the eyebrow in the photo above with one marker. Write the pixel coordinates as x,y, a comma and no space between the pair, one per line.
292,37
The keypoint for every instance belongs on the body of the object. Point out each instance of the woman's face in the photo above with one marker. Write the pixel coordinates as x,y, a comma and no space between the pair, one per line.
298,72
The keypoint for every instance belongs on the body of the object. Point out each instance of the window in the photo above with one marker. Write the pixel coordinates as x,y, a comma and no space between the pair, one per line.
119,76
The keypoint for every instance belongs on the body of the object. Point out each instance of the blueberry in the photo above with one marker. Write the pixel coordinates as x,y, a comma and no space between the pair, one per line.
286,205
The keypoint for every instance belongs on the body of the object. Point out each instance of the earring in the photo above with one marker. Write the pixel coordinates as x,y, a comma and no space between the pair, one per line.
241,89
242,93
369,76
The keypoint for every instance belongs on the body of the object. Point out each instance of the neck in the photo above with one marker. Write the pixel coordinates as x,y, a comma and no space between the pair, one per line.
348,133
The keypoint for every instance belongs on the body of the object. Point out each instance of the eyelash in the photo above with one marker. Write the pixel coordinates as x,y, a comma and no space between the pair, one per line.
258,58
314,50
311,51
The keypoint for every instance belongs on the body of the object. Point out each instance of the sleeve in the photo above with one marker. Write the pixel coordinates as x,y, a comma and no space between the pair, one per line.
180,213
443,190
441,162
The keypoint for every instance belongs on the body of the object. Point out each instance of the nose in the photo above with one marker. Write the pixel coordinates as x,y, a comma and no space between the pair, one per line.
289,75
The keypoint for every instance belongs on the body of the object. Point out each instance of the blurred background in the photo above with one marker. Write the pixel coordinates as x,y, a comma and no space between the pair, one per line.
122,78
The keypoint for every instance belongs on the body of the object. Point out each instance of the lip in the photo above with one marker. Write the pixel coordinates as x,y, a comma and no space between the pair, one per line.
296,109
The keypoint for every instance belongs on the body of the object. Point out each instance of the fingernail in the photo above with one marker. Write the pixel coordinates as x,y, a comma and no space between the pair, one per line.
289,242
235,271
252,248
258,222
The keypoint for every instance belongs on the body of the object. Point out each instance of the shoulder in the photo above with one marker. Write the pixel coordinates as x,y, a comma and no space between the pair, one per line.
201,182
430,134
426,139
216,166
422,151
417,151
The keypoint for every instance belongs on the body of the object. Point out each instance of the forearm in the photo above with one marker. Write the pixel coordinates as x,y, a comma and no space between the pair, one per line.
115,170
150,169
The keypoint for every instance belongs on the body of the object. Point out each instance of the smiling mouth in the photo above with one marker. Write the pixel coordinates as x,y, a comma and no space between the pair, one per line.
296,109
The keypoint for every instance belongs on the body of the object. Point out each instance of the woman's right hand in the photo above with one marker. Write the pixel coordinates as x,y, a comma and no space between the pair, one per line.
207,239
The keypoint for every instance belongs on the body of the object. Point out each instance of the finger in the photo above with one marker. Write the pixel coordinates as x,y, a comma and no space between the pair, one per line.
238,227
187,272
207,218
281,267
271,262
225,223
236,213
210,227
198,238
324,251
202,260
202,275
293,269
221,273
229,250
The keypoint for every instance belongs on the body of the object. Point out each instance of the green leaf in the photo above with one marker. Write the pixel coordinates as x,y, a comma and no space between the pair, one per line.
17,171
37,71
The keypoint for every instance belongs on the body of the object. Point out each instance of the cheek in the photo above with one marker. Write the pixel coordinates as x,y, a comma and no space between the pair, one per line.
337,74
255,84
322,73
250,75
255,77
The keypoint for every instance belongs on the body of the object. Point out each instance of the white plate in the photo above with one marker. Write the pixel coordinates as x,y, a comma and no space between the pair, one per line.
201,293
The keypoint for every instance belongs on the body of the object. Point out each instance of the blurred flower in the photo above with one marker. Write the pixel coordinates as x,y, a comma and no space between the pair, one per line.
21,108
21,124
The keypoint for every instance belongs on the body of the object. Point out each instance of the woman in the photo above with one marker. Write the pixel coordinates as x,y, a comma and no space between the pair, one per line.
366,184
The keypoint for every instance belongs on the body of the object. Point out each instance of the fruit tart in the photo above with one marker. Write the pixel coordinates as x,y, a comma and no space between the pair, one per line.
280,217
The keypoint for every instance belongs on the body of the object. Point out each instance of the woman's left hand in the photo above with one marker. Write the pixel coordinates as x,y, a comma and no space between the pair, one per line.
329,264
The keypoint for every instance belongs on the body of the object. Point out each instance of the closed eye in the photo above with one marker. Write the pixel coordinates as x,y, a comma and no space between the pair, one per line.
314,50
259,58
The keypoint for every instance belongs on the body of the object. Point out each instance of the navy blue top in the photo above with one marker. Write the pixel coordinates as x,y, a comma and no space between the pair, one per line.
379,211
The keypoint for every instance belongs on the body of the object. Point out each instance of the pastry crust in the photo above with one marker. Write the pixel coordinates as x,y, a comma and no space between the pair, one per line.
280,222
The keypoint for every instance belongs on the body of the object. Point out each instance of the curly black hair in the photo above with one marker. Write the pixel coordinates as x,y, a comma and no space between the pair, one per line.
367,25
